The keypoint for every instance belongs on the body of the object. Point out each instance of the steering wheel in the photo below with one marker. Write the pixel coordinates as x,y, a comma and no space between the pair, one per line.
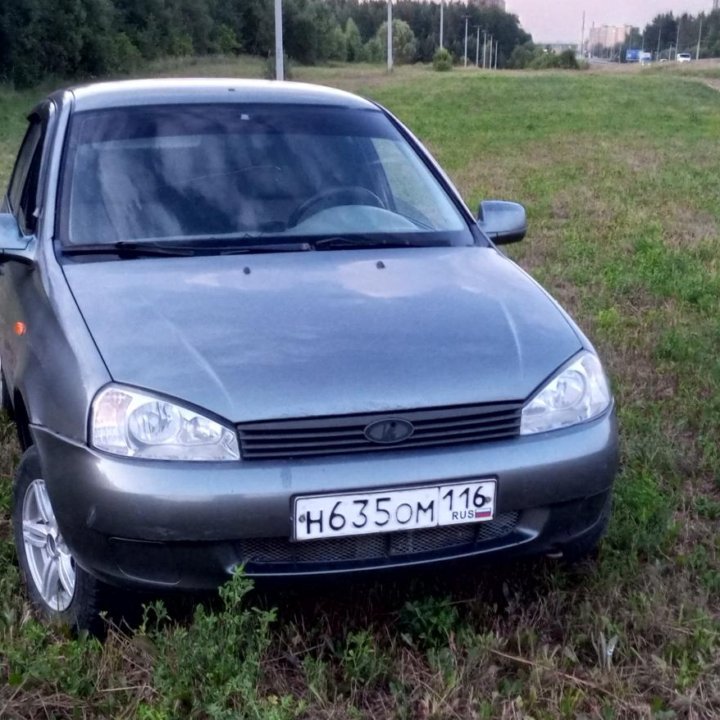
349,195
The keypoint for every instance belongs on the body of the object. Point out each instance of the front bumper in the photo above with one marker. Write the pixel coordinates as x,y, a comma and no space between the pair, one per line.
189,525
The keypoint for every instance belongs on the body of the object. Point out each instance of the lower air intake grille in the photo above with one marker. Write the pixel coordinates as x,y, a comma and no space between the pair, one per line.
376,547
336,434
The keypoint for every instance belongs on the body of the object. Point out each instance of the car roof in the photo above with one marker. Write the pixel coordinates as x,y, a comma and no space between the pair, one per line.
132,93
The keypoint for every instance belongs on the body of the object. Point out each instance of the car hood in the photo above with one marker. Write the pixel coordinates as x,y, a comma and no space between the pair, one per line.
258,337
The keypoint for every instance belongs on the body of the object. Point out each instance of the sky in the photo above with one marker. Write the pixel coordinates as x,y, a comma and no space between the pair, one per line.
561,20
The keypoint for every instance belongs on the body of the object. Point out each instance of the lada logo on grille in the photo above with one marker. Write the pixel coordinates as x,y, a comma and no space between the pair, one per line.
389,431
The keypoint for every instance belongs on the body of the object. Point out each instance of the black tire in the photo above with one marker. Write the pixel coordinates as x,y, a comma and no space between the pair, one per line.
586,547
5,400
78,610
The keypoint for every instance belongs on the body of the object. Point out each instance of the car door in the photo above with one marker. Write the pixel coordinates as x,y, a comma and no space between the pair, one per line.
19,284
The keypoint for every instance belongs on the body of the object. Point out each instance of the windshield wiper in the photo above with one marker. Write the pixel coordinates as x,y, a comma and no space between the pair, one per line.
262,248
341,242
126,249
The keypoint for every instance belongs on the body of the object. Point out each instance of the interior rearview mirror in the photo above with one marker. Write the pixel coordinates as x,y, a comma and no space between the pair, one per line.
502,221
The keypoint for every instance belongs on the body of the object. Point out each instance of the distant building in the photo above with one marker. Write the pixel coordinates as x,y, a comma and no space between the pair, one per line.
608,35
499,4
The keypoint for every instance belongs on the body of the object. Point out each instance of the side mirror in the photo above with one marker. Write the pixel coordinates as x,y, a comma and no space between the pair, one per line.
503,222
13,244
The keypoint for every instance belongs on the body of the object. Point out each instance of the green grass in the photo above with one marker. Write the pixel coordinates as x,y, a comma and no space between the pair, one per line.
14,107
619,174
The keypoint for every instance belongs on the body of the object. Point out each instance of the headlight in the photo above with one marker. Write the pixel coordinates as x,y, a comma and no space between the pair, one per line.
579,392
128,422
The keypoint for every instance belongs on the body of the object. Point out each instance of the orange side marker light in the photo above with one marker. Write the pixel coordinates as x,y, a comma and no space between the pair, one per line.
20,328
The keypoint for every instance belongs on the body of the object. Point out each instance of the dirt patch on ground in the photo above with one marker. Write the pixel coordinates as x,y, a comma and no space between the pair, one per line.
690,227
714,84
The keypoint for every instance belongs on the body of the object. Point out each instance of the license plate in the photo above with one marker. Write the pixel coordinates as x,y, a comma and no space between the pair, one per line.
362,513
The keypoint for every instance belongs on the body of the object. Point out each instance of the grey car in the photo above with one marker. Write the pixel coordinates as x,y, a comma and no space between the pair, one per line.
249,324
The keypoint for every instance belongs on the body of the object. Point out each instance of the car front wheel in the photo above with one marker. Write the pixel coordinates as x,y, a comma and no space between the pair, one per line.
59,589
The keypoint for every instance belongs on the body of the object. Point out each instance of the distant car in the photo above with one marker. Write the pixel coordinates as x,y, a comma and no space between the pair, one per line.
684,57
253,324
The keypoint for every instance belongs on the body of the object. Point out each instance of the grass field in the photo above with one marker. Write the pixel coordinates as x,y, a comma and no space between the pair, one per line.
619,173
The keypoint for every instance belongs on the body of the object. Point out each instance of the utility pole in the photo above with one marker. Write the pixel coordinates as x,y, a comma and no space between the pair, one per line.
582,36
484,47
497,45
389,35
442,21
279,52
466,29
657,54
677,41
697,54
477,48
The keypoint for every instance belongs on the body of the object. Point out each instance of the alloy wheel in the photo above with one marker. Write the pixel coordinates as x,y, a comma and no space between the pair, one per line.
49,560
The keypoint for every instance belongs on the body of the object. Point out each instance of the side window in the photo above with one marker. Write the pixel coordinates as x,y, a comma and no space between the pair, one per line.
22,193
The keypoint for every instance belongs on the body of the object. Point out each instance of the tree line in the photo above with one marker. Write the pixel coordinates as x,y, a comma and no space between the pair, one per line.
77,38
665,31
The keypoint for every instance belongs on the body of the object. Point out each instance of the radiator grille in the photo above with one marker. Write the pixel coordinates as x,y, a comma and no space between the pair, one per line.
376,547
346,433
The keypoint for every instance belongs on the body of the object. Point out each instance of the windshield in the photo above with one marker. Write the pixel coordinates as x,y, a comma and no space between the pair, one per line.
248,172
